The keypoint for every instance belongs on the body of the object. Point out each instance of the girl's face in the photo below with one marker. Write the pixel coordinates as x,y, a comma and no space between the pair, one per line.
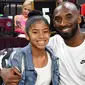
26,9
39,34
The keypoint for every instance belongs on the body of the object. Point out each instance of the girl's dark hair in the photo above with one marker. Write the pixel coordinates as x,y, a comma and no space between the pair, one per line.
35,13
34,16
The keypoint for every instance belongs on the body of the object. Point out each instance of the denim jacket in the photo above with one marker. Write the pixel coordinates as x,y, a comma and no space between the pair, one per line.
29,74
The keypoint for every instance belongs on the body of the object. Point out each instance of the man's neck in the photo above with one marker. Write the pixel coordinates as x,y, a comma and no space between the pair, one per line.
76,40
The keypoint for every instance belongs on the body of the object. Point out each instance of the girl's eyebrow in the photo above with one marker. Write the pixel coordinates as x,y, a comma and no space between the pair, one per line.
34,29
46,28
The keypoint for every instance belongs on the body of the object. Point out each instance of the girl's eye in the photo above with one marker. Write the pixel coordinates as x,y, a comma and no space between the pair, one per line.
46,31
34,32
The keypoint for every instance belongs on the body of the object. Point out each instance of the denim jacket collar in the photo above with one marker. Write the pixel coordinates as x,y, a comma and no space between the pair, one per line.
28,52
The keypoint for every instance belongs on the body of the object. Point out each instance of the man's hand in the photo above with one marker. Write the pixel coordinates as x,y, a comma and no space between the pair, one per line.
10,76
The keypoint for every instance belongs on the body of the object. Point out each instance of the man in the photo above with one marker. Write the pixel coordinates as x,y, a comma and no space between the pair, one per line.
71,47
71,50
10,76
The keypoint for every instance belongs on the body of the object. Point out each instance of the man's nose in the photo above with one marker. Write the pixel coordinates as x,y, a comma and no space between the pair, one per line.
63,23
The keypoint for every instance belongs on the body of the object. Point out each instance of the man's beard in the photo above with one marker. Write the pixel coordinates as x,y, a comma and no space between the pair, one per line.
68,35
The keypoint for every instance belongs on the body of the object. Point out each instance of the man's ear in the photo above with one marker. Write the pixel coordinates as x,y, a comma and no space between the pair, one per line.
79,19
53,22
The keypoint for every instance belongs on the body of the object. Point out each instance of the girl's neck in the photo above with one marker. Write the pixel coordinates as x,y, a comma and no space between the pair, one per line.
36,52
40,58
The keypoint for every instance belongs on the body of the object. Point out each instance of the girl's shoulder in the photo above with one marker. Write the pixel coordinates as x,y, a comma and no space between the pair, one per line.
17,16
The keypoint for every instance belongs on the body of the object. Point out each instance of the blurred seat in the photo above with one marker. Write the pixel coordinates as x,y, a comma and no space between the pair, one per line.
13,7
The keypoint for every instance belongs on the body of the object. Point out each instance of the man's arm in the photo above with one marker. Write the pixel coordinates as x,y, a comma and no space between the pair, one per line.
10,76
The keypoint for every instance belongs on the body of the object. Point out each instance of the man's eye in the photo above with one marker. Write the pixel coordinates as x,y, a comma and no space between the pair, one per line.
69,17
57,19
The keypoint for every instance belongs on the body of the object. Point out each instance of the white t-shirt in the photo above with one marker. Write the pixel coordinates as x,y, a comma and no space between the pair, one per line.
71,61
44,73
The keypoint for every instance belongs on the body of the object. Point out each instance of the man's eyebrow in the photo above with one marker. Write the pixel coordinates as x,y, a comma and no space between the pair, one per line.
57,17
69,14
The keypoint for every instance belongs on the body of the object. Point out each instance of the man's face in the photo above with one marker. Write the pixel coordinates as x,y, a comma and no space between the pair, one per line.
65,22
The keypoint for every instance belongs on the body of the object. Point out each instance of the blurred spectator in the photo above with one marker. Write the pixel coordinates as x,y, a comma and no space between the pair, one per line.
58,2
20,20
73,1
83,9
83,14
83,25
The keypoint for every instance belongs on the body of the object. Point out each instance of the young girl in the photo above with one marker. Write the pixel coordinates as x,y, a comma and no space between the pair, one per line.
36,62
20,20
